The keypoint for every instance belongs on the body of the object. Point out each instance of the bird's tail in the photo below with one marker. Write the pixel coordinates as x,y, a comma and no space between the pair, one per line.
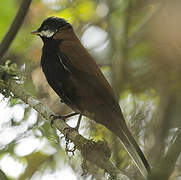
134,150
113,119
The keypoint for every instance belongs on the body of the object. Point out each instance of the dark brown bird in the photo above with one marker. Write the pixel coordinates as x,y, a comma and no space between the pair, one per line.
73,74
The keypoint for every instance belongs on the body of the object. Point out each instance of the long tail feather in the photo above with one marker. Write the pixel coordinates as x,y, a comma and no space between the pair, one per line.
134,151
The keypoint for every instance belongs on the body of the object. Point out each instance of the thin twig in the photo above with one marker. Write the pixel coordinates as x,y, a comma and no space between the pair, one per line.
16,24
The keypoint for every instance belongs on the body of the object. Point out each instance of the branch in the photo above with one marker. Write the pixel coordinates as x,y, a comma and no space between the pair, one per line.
166,166
16,24
95,152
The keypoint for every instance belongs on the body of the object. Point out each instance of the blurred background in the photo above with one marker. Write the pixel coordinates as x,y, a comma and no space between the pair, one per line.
137,44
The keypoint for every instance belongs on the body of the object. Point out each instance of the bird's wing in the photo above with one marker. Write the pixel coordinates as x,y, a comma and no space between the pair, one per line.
79,59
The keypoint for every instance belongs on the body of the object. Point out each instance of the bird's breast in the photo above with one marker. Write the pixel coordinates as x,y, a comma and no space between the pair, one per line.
59,77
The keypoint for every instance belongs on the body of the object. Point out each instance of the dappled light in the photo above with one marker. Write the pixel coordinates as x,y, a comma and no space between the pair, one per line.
137,46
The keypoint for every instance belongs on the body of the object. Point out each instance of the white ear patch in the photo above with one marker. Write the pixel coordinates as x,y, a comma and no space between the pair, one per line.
47,33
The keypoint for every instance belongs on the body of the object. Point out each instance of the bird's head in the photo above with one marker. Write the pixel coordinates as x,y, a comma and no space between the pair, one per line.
51,26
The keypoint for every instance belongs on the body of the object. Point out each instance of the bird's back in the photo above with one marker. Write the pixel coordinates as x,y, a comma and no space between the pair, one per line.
92,87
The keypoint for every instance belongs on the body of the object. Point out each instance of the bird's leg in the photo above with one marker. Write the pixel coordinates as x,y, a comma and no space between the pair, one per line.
62,117
78,122
76,127
68,130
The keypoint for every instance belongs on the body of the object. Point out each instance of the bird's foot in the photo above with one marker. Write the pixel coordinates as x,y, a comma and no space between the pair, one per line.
68,130
54,117
63,118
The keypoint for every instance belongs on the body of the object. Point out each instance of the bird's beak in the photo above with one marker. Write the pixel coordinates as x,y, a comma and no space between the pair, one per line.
35,32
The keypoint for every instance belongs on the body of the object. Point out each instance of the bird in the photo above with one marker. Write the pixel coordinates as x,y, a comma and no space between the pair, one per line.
76,78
